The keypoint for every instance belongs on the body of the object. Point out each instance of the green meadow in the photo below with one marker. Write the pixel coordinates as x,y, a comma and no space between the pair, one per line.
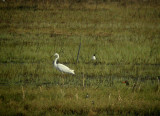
125,36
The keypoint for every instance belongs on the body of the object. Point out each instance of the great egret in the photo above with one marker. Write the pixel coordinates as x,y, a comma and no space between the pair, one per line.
94,57
62,67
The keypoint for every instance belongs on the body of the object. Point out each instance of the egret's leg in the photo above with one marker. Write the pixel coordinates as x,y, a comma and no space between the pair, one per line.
62,79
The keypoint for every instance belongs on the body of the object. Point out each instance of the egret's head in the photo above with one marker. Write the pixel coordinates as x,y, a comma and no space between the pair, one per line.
56,54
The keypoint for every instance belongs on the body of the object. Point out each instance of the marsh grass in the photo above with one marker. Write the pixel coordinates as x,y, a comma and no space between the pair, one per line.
64,100
124,37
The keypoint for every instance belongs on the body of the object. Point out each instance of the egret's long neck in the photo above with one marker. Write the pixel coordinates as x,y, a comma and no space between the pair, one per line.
55,61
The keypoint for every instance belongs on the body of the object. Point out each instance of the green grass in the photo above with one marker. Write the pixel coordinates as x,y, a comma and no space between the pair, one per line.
125,38
71,100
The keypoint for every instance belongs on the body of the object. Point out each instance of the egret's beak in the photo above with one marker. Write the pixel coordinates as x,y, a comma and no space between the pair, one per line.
51,56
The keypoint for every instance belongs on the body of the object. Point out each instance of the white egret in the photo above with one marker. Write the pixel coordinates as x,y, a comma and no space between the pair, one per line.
94,57
62,67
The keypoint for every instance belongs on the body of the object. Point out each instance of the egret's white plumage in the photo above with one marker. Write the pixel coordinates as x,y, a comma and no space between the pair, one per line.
62,67
94,57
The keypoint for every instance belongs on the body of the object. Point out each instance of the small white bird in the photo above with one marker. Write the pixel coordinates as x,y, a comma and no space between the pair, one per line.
62,67
94,57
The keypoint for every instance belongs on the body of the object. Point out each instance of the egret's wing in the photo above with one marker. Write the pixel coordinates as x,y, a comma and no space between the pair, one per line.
64,68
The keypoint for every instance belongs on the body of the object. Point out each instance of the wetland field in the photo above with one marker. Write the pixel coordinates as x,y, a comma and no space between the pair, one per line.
124,36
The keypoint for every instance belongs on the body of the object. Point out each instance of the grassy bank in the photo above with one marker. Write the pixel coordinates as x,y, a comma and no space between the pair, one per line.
124,37
71,100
